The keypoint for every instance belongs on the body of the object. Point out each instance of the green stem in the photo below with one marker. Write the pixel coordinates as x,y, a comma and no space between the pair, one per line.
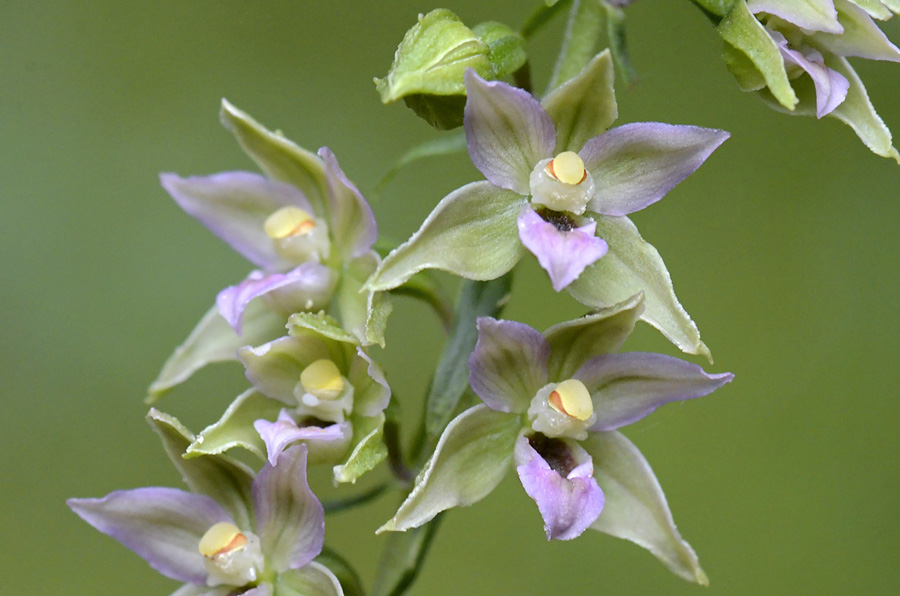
541,17
343,504
580,40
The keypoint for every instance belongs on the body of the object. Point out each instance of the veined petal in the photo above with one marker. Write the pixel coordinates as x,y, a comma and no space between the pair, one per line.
507,132
234,206
291,520
309,285
569,504
372,391
162,525
312,580
562,254
332,439
470,460
814,15
636,507
861,37
274,368
508,365
626,387
352,221
878,9
635,165
235,427
831,86
575,342
585,105
472,233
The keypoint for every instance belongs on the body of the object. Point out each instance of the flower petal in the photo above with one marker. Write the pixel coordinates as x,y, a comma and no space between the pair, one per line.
352,221
831,86
195,590
627,387
814,15
562,254
214,340
636,507
332,440
372,391
470,460
274,368
575,342
507,132
472,233
234,206
368,450
306,287
637,164
861,37
568,505
291,520
162,525
585,105
235,427
508,365
631,266
312,580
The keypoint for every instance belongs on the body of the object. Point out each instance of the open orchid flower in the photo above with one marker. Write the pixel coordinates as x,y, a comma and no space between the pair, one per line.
234,534
795,53
315,386
552,405
560,186
306,228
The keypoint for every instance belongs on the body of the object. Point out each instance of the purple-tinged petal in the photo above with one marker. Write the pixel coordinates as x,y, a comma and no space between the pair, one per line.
635,165
861,38
234,206
261,590
284,431
162,525
562,254
831,86
507,132
352,221
290,519
195,590
569,504
307,285
508,365
813,15
627,387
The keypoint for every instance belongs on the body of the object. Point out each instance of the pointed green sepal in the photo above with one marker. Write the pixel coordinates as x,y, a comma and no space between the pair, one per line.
313,579
235,427
368,449
302,323
506,47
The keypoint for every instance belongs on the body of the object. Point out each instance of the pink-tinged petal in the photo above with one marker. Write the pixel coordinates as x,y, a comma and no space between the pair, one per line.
635,165
627,387
289,517
562,254
813,15
162,525
234,206
568,503
261,590
352,221
507,132
861,38
284,431
831,86
508,365
304,288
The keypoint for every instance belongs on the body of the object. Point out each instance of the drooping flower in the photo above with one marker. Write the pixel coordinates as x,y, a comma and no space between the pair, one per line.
316,386
234,534
795,54
304,225
560,186
552,405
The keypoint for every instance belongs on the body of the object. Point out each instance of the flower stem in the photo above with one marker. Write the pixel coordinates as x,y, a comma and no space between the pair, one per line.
580,40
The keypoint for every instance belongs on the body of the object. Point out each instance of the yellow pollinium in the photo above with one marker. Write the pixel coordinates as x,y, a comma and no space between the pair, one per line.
567,167
287,222
323,379
220,539
572,398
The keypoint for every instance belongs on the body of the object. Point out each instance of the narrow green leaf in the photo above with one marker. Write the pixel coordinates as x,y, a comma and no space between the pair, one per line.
618,44
446,144
542,16
235,427
579,41
402,559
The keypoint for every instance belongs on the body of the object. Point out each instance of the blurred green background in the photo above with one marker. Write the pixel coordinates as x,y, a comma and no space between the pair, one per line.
782,247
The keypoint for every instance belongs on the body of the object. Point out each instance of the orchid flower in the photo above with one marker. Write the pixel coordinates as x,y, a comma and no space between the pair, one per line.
306,228
316,386
796,53
552,405
234,534
561,188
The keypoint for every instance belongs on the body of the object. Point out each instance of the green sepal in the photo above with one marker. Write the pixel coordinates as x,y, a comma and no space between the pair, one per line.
470,460
368,449
741,29
877,9
472,233
507,48
635,507
235,427
226,480
742,68
301,323
633,265
346,574
579,41
279,157
213,340
363,313
402,557
313,579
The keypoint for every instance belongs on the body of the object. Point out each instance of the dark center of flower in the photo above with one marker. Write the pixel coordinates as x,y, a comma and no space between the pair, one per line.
560,220
555,452
308,421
